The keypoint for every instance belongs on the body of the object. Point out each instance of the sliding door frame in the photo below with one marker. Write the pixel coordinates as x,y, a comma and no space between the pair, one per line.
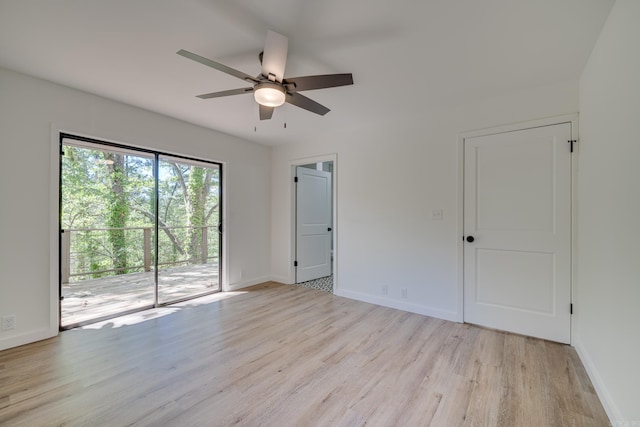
156,157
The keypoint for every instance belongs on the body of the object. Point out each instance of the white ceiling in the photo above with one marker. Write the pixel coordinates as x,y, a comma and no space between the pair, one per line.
405,55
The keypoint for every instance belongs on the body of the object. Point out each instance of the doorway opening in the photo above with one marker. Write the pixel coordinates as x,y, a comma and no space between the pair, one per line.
138,229
314,225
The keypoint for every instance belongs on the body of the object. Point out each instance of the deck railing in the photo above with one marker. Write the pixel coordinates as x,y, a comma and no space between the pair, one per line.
88,253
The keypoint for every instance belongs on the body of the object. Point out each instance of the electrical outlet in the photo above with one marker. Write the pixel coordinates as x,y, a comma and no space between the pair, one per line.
436,215
385,290
404,292
8,322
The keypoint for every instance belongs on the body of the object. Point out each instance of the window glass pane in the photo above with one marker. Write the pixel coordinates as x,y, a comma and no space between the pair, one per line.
108,221
188,240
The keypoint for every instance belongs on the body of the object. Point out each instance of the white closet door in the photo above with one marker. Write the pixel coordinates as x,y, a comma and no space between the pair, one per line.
517,211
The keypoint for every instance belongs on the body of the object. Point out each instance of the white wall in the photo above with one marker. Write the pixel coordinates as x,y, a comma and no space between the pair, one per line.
28,107
390,176
608,294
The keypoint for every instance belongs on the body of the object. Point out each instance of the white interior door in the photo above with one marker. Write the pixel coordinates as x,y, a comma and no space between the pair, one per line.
313,226
517,209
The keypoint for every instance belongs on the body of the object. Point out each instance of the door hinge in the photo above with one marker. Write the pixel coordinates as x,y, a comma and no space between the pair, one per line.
571,308
295,263
295,179
571,143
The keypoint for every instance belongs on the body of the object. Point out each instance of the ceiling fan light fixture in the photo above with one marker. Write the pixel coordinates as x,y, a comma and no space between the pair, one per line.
269,94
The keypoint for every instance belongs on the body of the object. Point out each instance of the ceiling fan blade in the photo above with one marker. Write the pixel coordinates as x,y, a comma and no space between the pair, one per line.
306,103
216,65
318,82
274,58
265,112
226,93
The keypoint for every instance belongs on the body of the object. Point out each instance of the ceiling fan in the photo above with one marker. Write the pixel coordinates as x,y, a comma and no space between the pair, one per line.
270,89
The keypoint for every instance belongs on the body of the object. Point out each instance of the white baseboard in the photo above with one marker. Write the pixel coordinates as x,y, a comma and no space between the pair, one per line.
246,283
26,338
400,305
281,279
610,407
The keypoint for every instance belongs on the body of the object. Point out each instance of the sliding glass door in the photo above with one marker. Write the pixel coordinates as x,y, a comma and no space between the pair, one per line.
138,229
188,218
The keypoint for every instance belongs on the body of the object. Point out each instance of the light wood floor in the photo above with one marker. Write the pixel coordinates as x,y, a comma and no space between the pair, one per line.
281,355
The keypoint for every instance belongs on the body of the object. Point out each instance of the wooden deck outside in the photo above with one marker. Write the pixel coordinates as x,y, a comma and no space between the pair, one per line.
96,298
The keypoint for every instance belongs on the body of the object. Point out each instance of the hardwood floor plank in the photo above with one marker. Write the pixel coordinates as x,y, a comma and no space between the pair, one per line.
278,355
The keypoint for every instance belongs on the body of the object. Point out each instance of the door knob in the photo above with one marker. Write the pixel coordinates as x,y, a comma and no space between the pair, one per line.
329,229
470,239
